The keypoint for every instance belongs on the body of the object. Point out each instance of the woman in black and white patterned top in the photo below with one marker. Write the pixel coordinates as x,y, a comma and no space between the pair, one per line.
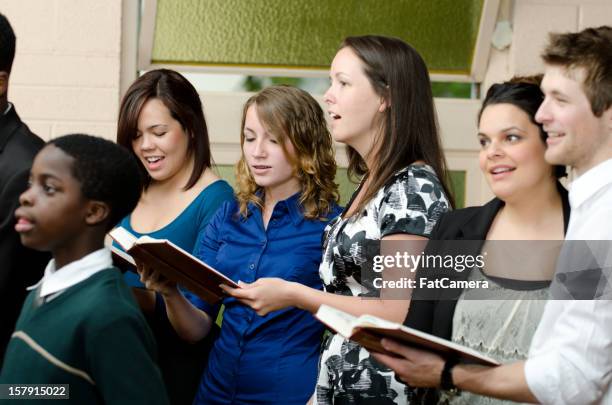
381,107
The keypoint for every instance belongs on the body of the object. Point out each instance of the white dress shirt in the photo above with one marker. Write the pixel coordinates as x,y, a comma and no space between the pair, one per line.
55,281
570,360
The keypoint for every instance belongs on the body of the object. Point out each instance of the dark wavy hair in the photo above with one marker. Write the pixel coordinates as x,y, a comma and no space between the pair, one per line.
409,131
524,93
183,102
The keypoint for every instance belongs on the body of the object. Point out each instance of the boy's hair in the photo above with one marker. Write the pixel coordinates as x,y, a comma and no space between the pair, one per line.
7,45
590,49
107,172
294,117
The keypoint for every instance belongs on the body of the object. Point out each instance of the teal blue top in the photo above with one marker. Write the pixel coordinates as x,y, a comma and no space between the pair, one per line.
187,229
180,362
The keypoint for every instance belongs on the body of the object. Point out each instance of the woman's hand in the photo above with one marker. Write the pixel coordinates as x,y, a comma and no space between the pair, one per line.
264,295
189,322
155,281
417,368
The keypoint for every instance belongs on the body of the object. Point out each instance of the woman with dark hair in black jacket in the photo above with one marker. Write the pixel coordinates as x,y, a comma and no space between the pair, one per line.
500,319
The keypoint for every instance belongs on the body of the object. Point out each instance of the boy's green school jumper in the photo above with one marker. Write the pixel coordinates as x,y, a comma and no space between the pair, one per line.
93,337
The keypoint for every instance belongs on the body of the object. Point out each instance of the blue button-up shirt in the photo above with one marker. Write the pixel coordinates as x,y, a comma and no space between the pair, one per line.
272,358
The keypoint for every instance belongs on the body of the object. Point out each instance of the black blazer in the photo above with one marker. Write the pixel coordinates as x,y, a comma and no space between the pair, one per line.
434,313
19,267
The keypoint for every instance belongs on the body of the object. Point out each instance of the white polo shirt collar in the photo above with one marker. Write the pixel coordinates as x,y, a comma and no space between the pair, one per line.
55,281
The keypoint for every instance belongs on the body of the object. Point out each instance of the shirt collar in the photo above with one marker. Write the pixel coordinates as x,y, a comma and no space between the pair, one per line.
55,281
291,204
585,186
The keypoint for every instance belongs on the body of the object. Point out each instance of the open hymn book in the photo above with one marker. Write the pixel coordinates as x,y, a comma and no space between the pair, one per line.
171,261
369,330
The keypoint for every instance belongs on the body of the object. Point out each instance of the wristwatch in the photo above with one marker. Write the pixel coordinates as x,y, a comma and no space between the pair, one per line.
446,378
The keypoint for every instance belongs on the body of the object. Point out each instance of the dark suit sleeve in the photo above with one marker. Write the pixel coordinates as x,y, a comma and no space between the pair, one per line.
13,255
456,233
423,307
10,247
9,201
19,267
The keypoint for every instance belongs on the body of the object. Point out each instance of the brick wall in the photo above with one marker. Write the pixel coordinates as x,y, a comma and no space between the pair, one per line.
66,74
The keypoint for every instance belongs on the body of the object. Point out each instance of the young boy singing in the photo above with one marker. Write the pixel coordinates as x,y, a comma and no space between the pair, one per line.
80,325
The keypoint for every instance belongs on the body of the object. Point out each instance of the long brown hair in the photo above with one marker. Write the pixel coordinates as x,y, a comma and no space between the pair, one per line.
409,131
293,115
183,102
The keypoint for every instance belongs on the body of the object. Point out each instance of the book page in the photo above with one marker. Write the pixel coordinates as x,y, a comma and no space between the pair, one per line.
369,330
371,320
337,320
123,237
122,255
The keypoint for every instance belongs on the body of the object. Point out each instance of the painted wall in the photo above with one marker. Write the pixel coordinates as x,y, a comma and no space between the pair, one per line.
66,72
532,20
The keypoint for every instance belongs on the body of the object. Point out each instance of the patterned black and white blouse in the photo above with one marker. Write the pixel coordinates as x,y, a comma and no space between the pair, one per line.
411,202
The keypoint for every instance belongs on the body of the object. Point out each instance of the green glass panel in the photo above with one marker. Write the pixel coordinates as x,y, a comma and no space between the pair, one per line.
226,172
346,187
320,85
451,89
306,33
219,320
457,179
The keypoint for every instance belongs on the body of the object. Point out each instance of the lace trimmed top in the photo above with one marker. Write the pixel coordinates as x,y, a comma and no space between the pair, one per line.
498,322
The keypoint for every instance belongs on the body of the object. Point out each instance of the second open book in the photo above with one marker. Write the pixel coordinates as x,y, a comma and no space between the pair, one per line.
172,262
369,330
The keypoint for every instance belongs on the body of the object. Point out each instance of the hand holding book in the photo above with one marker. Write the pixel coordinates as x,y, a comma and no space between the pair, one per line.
156,281
172,262
369,331
264,295
418,368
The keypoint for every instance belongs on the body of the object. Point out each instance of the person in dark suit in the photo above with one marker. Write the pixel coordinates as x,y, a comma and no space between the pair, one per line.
530,204
19,267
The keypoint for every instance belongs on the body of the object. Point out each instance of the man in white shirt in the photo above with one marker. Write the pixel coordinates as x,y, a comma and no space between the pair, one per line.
570,361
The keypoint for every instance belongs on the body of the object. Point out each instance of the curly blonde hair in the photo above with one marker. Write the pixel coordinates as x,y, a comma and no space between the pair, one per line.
293,115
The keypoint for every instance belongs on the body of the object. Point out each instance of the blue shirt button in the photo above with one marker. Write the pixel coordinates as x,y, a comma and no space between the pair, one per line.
251,266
